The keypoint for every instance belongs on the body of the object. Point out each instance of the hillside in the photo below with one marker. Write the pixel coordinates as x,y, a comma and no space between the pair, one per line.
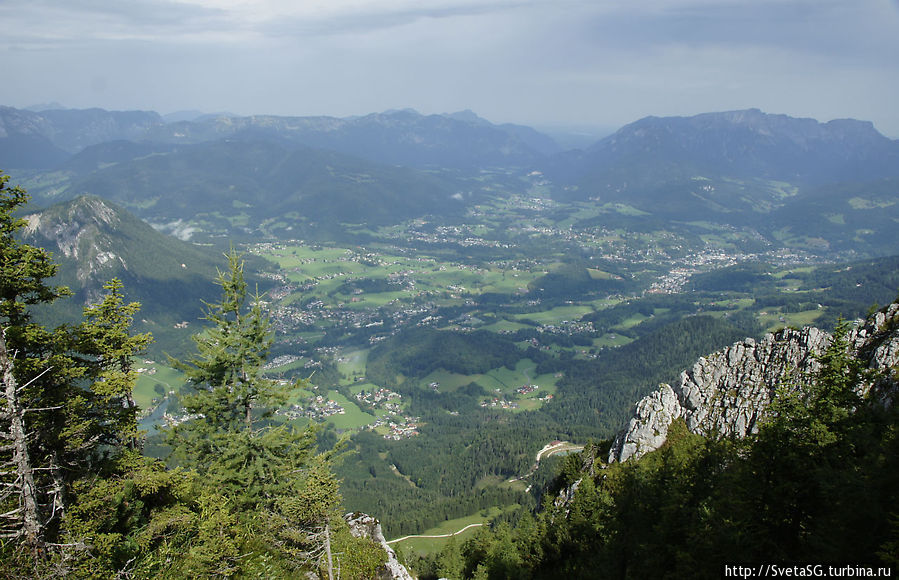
727,394
768,453
231,183
94,241
724,162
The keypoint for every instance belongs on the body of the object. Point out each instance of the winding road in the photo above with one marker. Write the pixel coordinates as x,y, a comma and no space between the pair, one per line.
437,536
548,449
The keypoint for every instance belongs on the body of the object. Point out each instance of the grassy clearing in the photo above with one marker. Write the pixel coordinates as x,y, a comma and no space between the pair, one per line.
557,315
299,397
357,388
425,546
624,209
353,418
145,389
504,325
612,340
774,320
352,364
500,380
447,381
631,322
599,274
862,203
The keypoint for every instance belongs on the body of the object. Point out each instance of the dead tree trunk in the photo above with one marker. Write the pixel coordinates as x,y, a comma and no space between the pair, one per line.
27,517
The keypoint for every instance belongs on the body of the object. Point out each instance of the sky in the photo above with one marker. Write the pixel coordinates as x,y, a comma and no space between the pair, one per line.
546,63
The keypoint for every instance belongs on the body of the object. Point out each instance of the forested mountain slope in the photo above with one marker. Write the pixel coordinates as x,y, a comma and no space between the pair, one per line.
792,470
728,393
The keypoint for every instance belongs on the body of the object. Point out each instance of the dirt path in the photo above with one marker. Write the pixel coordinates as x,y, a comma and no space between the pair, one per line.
437,536
549,449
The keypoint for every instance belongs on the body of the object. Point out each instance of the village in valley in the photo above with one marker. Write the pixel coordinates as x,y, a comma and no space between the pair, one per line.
332,302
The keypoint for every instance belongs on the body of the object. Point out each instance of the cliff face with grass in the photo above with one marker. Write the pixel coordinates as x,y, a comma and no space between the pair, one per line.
728,392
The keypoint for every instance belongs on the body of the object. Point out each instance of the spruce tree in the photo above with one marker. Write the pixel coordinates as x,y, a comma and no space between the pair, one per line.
230,397
65,402
280,489
36,378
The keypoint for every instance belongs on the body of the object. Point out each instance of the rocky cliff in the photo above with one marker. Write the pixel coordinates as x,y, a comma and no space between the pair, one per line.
728,392
365,526
80,232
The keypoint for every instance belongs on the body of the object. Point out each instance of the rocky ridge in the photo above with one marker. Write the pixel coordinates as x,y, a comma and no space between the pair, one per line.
365,526
727,393
79,234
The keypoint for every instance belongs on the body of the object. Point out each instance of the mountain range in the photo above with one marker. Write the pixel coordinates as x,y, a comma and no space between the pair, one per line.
738,167
788,182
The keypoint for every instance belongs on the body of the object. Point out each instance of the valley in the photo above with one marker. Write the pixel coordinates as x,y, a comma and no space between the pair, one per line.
445,321
369,325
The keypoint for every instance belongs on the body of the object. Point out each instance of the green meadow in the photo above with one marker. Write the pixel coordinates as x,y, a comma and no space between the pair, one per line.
353,418
145,391
425,546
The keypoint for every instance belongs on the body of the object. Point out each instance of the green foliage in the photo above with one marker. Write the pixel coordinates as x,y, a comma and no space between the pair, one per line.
817,483
258,502
67,406
274,499
105,337
418,352
227,371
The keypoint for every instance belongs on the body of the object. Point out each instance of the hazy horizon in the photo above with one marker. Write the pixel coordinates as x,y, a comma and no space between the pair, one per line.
563,64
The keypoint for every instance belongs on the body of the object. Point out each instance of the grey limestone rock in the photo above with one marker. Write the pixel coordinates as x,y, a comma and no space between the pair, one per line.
363,525
728,392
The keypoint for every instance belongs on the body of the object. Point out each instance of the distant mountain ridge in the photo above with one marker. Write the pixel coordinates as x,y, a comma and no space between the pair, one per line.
265,180
71,130
400,137
403,137
788,181
645,155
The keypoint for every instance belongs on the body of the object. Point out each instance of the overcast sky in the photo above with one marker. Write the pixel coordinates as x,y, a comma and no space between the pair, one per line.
540,62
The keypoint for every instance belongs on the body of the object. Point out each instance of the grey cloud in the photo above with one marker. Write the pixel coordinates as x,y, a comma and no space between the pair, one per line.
79,21
376,18
590,61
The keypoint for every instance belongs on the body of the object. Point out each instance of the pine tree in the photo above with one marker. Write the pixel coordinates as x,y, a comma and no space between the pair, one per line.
65,405
230,395
105,339
227,369
31,397
283,493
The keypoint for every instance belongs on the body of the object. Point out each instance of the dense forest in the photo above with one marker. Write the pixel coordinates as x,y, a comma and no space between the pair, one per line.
250,497
817,486
464,447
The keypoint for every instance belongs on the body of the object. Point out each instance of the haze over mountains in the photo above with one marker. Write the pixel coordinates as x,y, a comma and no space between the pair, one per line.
770,182
742,168
464,292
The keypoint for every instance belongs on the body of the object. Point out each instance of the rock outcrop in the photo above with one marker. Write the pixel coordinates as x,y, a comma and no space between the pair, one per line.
728,392
365,526
79,230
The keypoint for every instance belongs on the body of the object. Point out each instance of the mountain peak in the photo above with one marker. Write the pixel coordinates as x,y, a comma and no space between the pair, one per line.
467,116
737,145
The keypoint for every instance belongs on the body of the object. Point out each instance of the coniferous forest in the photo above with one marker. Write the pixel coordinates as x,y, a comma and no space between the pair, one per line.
814,490
220,335
79,499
